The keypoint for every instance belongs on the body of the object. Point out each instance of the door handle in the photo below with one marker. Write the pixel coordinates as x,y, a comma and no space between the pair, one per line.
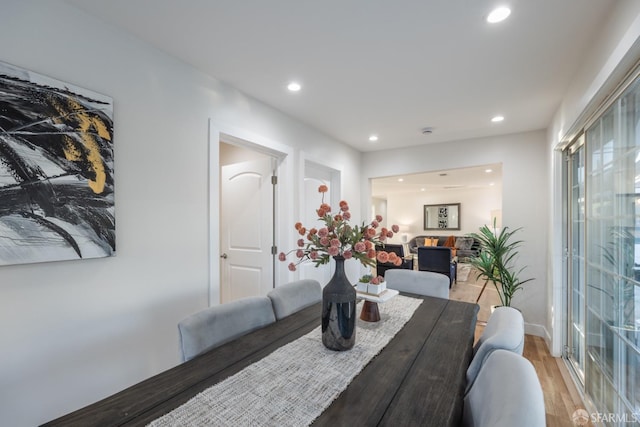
224,256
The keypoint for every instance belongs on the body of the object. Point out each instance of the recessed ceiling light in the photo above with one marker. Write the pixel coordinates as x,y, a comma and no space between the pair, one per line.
498,14
373,138
497,119
400,179
491,184
488,170
294,86
424,189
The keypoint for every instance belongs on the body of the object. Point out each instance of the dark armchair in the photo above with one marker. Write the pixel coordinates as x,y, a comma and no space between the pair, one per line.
438,260
382,267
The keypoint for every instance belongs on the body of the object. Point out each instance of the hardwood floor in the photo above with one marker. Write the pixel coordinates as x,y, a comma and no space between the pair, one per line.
561,398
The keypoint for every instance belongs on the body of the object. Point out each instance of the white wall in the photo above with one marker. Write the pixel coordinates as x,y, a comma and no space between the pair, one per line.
525,175
475,209
615,49
74,332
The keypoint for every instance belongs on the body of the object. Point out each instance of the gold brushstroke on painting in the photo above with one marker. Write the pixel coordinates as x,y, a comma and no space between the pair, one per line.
85,123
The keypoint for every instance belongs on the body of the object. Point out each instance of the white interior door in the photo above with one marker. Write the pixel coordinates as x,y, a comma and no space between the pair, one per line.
246,229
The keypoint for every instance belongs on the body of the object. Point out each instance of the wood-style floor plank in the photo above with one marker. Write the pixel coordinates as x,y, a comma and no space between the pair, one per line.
561,398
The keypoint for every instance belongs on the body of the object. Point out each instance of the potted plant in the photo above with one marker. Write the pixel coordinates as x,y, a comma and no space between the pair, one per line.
369,284
496,259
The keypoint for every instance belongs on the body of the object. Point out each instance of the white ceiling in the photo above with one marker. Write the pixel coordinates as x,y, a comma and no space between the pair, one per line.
379,66
482,176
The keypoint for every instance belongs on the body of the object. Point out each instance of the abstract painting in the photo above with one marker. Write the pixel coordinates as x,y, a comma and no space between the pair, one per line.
443,214
56,170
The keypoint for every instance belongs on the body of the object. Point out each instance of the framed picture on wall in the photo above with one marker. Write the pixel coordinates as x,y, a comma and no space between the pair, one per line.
56,170
442,217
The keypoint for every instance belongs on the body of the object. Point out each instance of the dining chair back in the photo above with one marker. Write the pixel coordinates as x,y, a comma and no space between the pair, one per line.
504,330
222,323
294,296
418,282
437,259
507,393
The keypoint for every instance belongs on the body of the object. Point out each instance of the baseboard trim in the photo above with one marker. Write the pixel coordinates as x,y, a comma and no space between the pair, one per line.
537,330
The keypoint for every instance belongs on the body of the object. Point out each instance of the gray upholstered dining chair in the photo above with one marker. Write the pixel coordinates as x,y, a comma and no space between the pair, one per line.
418,282
294,296
507,393
222,323
504,330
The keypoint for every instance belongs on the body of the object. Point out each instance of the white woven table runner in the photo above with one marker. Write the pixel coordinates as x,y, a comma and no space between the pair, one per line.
295,383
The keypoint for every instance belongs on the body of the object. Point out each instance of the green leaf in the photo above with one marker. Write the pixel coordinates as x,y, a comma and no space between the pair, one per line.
495,261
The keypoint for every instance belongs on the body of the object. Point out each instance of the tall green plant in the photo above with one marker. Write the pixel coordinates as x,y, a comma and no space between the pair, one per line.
496,259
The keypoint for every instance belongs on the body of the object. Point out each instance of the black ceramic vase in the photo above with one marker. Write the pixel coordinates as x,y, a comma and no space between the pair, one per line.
339,311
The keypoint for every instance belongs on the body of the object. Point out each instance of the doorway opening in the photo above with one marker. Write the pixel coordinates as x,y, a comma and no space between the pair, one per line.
408,200
400,199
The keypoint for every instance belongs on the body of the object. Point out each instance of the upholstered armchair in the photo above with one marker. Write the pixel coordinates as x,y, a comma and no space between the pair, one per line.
382,267
437,259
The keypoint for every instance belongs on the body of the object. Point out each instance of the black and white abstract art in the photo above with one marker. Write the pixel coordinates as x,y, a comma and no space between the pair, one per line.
443,217
56,170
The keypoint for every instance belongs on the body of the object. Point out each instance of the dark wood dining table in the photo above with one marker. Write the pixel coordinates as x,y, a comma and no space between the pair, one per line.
417,379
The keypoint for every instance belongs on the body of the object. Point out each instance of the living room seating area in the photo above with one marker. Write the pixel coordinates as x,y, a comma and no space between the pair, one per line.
465,246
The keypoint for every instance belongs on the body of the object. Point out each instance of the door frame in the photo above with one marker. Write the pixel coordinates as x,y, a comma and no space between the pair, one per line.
353,270
569,153
283,206
335,186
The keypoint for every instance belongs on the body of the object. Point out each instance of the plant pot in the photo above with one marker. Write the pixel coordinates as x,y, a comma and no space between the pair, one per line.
362,287
377,289
370,288
493,307
339,311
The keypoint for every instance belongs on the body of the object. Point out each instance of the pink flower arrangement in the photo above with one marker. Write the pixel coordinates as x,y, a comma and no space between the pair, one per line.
338,238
